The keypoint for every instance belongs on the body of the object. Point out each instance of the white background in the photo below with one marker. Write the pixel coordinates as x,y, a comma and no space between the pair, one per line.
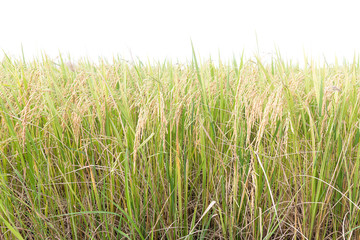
159,29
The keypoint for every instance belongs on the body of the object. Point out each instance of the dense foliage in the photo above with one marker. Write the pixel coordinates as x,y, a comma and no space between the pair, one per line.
242,150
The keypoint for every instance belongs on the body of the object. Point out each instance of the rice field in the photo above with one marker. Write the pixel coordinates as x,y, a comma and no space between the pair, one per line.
235,150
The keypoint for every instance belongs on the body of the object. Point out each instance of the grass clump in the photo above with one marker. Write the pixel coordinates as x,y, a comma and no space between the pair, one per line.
200,151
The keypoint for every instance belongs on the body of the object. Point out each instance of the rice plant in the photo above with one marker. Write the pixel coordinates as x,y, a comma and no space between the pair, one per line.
236,150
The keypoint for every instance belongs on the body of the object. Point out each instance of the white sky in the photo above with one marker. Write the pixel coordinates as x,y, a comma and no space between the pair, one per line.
159,29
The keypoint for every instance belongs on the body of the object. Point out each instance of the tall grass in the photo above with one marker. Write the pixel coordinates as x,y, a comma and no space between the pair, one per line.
242,150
